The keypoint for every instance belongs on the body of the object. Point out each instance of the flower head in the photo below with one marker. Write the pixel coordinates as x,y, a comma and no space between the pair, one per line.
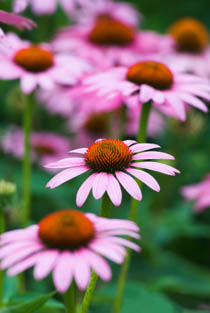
111,162
38,65
149,80
69,244
199,193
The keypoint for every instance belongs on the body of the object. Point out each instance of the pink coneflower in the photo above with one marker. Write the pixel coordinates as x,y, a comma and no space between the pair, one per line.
191,52
38,65
199,193
145,81
45,147
47,7
111,162
69,244
110,42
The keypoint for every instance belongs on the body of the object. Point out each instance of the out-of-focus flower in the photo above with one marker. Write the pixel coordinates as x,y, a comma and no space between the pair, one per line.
47,7
192,52
46,147
111,162
38,65
69,244
89,10
110,42
169,90
199,193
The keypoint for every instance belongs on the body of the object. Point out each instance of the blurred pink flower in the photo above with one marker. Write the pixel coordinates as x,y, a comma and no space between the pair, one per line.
68,250
110,162
40,7
38,65
46,147
110,42
169,90
199,193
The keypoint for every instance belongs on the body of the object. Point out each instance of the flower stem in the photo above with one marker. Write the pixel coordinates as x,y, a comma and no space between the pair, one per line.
27,160
141,137
105,212
69,299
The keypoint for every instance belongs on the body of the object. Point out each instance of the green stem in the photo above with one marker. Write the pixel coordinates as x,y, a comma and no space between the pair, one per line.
2,230
141,137
69,299
27,160
105,212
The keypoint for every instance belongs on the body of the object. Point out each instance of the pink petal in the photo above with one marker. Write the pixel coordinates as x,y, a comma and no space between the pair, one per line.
100,185
177,105
146,178
82,270
114,191
126,243
28,83
67,162
139,147
80,150
153,155
66,175
146,93
129,184
15,20
158,167
193,101
108,252
129,142
84,190
19,255
63,271
99,265
23,265
16,246
121,232
45,263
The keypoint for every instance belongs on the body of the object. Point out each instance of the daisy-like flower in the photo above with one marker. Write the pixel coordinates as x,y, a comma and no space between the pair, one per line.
38,65
47,7
192,52
45,147
69,244
148,80
109,41
111,162
198,193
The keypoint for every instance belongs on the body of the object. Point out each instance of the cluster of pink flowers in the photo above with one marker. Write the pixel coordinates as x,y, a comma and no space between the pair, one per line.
91,73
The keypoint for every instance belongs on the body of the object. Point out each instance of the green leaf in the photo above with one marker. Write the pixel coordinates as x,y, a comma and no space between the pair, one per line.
138,299
30,306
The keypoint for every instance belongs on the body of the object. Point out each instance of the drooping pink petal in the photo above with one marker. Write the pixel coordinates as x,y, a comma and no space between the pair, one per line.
155,155
66,175
81,270
63,271
129,142
16,20
80,150
129,184
158,167
146,93
23,265
67,162
99,265
139,147
100,185
114,191
108,252
177,105
193,101
28,83
146,178
126,243
84,190
45,263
